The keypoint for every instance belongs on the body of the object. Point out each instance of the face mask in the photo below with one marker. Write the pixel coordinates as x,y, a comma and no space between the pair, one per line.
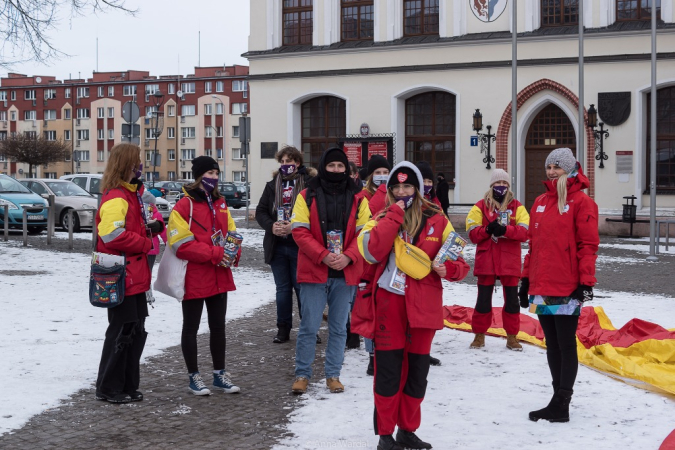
209,184
139,172
363,183
498,192
336,177
287,169
407,200
427,190
379,179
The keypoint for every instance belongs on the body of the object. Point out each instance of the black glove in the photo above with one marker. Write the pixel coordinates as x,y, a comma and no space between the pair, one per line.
583,293
500,231
156,227
492,227
523,293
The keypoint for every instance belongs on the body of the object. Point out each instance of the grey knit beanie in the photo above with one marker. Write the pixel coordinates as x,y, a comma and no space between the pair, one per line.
563,158
500,175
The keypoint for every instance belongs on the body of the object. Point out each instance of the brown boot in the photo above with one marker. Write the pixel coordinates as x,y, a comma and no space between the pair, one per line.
512,343
478,341
334,385
300,386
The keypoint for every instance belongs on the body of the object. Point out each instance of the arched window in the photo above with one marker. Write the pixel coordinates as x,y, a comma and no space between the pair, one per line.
430,131
559,13
297,21
636,9
357,20
665,140
323,122
420,17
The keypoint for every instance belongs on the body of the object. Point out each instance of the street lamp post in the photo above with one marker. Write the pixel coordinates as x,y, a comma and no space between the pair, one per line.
224,149
600,135
158,127
485,138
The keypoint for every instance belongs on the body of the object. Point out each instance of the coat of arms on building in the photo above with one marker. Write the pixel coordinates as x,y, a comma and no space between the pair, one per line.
488,10
614,107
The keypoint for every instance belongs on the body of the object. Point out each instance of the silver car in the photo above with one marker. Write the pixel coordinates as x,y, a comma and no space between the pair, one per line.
67,196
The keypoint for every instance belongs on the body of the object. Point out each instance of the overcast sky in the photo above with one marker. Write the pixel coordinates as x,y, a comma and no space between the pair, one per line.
162,38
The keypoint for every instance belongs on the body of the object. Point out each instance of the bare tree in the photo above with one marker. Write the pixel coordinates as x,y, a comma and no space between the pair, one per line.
33,150
25,26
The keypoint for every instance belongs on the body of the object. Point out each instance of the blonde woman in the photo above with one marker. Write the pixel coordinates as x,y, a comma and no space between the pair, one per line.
497,224
407,311
124,229
559,271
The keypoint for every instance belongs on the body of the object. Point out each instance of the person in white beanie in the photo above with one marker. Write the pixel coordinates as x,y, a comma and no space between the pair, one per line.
497,224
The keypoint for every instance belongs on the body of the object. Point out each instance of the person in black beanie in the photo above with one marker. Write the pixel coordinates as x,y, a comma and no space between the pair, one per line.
443,192
327,218
428,175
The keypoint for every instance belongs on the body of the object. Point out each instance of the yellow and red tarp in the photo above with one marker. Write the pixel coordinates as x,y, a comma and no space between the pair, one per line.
640,353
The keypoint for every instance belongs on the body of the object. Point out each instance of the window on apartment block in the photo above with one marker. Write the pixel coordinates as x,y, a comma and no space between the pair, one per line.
188,132
50,114
171,88
323,122
82,92
665,141
66,93
129,90
220,86
171,154
171,110
219,108
236,153
187,88
50,135
66,135
187,110
100,113
208,131
50,94
297,22
636,9
111,133
3,96
171,132
235,131
13,96
557,13
66,114
111,113
188,154
420,17
29,94
357,20
239,86
101,91
239,176
239,108
29,115
82,113
83,135
100,155
208,86
208,109
100,134
111,91
3,116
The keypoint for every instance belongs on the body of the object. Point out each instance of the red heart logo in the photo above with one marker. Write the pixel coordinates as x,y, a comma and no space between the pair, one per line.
402,177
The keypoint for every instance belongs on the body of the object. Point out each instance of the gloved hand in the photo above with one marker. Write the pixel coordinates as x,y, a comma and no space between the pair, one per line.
583,293
523,293
156,226
492,227
500,231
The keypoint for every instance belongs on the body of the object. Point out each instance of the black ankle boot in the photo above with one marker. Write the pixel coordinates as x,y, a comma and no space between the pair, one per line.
371,366
558,409
353,340
408,439
387,442
283,334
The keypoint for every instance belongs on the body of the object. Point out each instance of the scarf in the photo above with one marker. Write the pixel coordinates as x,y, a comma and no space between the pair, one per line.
298,177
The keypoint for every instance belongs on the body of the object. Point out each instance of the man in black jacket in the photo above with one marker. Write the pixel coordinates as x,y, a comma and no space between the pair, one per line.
281,251
443,192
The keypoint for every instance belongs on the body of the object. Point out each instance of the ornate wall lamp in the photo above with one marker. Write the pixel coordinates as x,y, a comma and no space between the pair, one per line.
599,135
485,138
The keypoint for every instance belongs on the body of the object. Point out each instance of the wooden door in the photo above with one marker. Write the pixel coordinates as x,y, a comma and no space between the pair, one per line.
551,129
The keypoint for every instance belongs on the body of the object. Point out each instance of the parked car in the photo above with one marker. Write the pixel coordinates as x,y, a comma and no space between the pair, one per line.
15,195
168,187
234,197
164,208
90,182
67,196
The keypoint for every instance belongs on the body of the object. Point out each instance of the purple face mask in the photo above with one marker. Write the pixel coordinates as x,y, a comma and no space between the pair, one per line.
139,172
209,184
287,169
427,190
499,191
407,200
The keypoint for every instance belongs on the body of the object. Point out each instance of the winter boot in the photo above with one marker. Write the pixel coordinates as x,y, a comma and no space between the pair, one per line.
197,385
222,381
136,396
387,442
299,386
408,439
371,366
353,340
117,398
434,361
512,343
478,341
334,385
283,334
558,409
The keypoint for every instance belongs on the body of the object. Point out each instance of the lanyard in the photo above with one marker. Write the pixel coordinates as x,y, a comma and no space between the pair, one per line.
140,202
213,211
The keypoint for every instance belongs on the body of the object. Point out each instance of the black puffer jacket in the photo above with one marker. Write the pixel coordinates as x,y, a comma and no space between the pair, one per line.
266,214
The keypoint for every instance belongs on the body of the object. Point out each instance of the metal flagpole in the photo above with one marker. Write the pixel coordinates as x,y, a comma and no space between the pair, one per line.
582,129
652,143
514,98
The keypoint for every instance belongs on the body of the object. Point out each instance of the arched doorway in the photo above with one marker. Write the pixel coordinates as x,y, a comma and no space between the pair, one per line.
551,129
323,122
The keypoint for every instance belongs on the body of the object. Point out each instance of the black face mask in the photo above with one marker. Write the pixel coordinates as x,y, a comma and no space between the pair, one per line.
334,177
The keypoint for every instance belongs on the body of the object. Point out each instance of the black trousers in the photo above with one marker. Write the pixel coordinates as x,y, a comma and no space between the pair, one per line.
216,308
119,369
561,349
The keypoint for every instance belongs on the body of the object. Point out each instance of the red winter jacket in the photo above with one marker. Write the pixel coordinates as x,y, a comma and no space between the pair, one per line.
308,234
501,258
563,247
423,298
204,276
378,201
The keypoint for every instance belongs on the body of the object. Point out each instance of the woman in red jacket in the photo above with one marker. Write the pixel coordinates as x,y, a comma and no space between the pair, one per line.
559,271
407,311
497,224
208,277
124,229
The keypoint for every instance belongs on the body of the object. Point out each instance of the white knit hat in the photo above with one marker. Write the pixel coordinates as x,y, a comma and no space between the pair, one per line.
500,175
563,158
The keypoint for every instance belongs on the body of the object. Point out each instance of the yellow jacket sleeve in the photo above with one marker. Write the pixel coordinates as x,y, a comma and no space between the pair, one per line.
364,214
113,219
446,232
522,217
474,218
178,230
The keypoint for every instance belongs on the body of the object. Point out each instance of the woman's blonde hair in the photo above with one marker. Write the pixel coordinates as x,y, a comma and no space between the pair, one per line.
413,220
491,202
562,192
197,185
370,186
123,157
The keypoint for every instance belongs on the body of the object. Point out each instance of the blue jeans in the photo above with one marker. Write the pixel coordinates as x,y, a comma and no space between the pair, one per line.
370,347
284,266
314,297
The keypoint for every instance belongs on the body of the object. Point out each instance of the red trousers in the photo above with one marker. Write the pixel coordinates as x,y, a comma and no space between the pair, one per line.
482,314
401,366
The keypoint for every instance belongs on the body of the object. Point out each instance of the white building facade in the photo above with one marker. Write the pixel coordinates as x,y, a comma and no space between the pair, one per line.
416,71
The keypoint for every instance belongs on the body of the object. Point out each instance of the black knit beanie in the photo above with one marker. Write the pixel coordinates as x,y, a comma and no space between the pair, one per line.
377,162
425,170
202,164
331,155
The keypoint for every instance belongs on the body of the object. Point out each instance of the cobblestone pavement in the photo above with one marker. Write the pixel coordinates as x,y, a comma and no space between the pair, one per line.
254,419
